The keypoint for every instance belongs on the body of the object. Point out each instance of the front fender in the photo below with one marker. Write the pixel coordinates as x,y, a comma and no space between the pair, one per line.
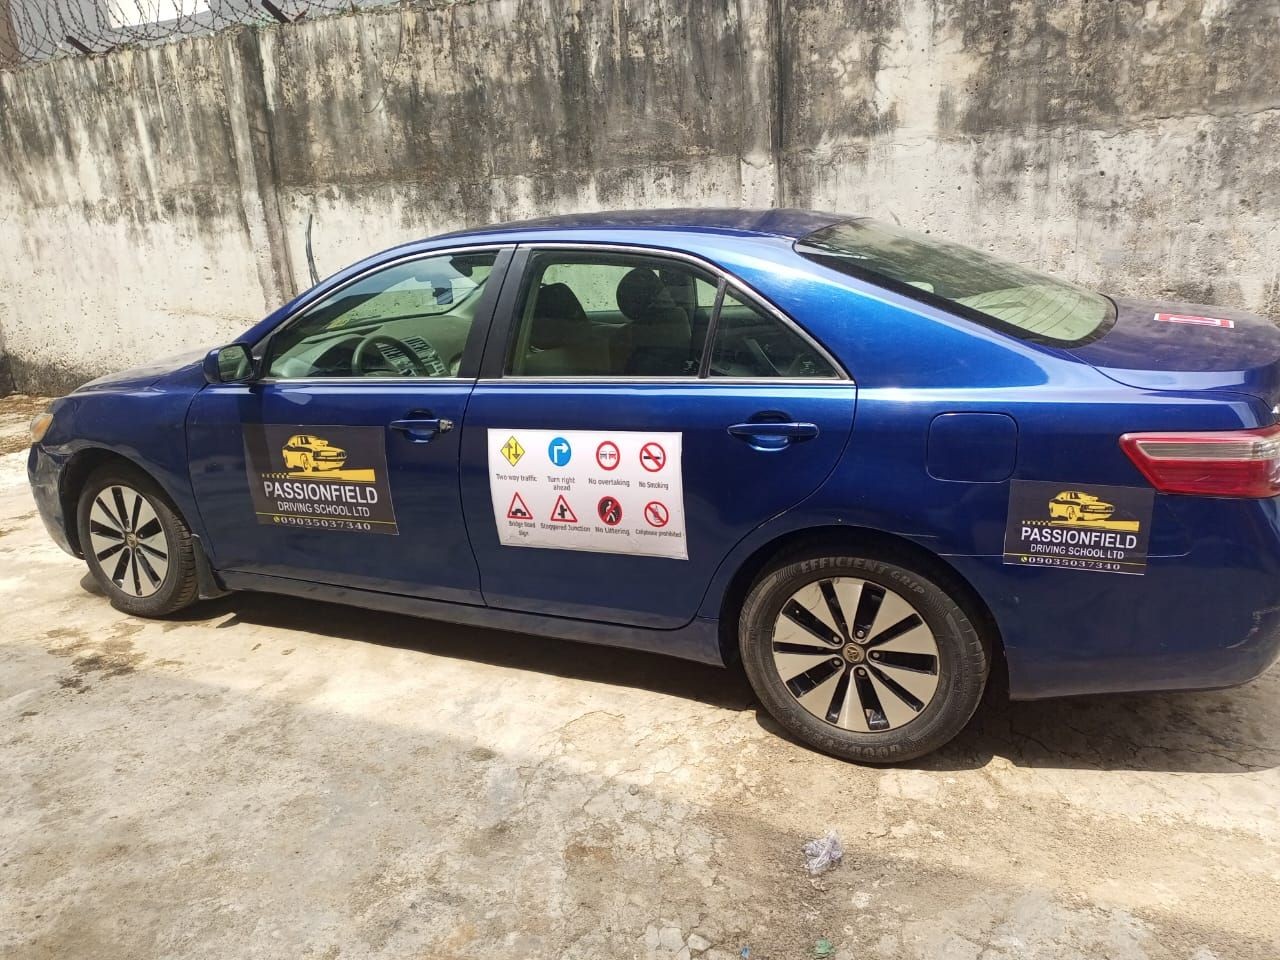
144,425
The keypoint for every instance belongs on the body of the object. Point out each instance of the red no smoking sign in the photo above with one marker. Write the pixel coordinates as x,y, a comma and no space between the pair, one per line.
652,457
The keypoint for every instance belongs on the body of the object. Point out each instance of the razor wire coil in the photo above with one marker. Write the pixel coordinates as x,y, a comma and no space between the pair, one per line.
35,30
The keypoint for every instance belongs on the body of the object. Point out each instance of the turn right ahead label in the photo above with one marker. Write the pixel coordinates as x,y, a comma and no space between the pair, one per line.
1075,527
618,491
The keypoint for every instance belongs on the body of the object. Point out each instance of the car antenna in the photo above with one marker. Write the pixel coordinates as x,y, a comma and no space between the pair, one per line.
311,257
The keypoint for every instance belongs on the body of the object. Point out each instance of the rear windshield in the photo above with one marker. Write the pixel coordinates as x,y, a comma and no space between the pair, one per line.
995,292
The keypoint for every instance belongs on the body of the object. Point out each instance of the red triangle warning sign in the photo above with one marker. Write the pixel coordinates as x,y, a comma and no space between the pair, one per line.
518,510
562,512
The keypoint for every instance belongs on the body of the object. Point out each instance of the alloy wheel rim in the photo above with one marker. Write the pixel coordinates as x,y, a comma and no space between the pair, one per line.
128,540
856,655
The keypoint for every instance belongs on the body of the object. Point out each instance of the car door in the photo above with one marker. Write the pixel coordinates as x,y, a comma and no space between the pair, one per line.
638,415
340,463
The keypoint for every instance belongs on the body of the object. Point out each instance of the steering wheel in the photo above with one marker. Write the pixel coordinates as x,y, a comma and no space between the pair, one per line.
365,351
757,351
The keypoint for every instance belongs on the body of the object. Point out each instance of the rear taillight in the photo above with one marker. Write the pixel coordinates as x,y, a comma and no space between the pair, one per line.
1226,463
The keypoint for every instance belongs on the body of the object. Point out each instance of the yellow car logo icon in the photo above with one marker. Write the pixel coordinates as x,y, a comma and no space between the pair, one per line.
309,454
1073,505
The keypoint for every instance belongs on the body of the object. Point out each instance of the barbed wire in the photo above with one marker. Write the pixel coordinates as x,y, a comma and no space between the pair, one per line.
35,30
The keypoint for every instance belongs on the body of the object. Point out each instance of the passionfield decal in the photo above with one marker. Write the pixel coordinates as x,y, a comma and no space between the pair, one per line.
1078,527
323,478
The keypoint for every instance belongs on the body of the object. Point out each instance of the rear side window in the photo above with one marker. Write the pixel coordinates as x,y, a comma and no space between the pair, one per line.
751,343
611,315
999,294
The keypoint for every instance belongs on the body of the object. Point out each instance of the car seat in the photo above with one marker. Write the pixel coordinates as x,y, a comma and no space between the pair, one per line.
561,337
660,331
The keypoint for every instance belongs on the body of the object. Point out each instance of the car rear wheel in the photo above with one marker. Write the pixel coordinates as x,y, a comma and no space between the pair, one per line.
137,546
863,659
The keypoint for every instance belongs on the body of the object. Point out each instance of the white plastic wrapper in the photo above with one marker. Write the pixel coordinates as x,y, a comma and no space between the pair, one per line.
822,854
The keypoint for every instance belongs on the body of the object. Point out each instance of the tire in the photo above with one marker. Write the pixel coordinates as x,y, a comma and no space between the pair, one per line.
136,543
821,697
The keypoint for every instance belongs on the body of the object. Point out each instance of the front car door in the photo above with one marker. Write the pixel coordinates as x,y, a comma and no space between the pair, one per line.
340,464
639,414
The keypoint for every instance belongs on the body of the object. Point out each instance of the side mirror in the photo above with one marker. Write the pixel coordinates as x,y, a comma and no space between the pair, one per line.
230,364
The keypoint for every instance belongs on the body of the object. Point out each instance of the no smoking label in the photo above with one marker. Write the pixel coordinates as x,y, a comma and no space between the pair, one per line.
617,491
653,457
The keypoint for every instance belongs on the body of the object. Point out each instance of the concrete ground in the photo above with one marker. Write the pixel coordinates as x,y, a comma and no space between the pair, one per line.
265,777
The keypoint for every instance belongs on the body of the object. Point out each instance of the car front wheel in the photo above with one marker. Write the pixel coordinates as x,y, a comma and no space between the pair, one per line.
136,543
863,659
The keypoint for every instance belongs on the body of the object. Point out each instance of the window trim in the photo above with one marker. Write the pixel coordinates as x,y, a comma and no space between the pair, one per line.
724,279
472,351
708,346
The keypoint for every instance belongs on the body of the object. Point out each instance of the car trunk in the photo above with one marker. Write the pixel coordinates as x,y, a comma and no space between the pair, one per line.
1239,354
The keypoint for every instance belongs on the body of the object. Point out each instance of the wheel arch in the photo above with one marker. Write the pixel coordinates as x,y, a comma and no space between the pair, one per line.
77,472
864,541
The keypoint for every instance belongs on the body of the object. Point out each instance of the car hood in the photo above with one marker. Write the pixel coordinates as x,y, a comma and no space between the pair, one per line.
1241,354
145,374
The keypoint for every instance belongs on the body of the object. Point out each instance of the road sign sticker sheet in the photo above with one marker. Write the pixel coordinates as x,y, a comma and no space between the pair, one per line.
616,491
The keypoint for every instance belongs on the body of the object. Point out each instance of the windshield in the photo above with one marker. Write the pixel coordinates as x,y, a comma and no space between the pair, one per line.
418,288
1022,302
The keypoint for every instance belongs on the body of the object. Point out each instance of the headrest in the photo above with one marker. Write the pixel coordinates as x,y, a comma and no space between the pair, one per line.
637,291
558,317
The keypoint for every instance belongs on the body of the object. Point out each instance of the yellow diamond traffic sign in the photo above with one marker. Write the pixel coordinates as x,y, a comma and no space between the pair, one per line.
512,451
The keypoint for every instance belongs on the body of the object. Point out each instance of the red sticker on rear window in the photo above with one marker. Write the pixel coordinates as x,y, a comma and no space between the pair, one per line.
1197,321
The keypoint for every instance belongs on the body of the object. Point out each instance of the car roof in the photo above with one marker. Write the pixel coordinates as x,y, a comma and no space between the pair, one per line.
786,223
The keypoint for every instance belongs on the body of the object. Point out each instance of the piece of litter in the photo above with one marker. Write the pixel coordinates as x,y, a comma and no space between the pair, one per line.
823,949
745,953
822,854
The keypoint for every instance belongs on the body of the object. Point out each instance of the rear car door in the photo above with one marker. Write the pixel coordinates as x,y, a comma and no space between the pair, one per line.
638,415
340,464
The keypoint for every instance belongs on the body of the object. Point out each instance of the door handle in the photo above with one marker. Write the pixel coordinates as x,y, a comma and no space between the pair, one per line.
765,435
422,431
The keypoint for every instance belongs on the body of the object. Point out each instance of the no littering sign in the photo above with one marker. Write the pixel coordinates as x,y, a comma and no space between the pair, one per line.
618,491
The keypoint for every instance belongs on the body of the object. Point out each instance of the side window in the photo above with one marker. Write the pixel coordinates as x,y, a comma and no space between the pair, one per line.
611,315
408,320
752,343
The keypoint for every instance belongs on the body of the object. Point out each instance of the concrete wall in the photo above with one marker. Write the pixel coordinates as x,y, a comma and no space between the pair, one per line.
157,198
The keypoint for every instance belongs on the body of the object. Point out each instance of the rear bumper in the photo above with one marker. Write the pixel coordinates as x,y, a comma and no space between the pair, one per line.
44,471
1207,619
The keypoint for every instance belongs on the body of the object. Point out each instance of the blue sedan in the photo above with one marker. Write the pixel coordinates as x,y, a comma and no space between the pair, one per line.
863,463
